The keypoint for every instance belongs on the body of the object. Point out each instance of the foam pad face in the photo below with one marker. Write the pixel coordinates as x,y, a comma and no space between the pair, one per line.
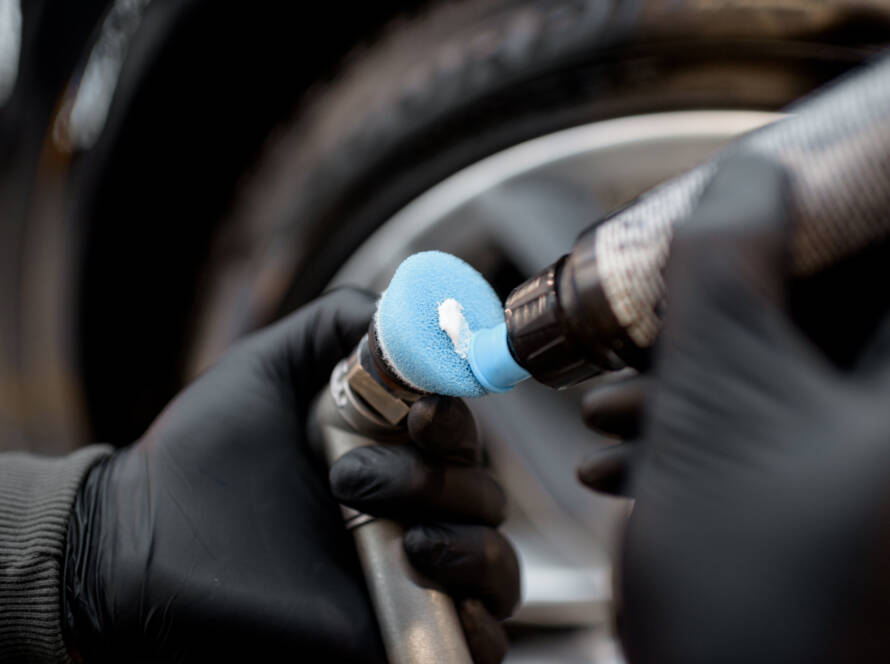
407,322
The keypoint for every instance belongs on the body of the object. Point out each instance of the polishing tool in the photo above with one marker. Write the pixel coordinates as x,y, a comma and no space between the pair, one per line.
440,328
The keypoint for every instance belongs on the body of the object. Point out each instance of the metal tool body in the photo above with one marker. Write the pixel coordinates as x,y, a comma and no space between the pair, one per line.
417,620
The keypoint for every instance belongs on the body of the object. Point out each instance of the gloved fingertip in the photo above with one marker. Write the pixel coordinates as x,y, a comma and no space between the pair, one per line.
616,408
470,560
444,427
485,636
427,546
608,470
503,603
492,509
354,477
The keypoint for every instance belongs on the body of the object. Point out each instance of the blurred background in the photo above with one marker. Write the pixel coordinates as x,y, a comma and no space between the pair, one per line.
176,174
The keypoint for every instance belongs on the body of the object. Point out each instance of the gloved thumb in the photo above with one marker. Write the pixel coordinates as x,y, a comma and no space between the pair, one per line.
303,348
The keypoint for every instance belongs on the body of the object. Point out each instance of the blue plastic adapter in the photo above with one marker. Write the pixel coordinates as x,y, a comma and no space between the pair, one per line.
492,362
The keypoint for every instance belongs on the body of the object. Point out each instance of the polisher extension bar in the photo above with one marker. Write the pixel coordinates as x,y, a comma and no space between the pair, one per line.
598,308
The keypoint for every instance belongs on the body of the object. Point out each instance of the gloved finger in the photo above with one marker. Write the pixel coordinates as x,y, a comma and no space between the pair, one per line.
615,408
304,347
397,482
468,561
609,470
485,636
444,428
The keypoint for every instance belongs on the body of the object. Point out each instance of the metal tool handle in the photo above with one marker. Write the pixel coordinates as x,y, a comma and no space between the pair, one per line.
418,621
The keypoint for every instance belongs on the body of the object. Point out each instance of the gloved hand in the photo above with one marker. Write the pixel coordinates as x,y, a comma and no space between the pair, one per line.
760,467
216,537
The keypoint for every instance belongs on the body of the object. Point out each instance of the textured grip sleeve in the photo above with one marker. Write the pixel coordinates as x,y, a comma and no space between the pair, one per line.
836,147
36,497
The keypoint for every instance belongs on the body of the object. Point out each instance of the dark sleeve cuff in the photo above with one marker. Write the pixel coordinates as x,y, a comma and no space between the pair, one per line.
36,498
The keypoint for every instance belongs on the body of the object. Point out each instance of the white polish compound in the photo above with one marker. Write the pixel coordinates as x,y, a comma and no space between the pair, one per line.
453,322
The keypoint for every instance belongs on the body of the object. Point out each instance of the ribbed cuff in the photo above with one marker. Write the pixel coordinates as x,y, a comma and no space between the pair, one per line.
36,498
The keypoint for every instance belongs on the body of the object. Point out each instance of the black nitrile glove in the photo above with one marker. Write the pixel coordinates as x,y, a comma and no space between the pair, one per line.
614,406
760,468
216,536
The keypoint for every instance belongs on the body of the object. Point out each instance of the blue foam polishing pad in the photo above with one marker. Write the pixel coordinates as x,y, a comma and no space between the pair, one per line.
420,353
